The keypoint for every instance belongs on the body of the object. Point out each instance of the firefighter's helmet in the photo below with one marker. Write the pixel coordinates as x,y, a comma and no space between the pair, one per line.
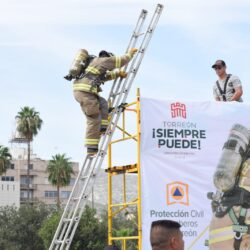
104,53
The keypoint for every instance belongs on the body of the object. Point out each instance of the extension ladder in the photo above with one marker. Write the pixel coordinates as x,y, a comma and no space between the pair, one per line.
92,164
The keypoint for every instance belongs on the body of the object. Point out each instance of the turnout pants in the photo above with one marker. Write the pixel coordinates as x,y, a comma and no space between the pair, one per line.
95,109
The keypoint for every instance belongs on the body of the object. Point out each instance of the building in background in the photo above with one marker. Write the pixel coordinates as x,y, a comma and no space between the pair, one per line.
9,191
40,189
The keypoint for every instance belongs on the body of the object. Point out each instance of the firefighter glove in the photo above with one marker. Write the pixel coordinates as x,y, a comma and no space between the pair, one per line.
133,51
122,74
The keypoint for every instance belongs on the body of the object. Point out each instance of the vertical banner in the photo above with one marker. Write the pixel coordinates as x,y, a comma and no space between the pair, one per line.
181,144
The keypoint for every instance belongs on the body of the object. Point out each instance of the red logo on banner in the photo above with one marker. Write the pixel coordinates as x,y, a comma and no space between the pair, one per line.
177,192
178,110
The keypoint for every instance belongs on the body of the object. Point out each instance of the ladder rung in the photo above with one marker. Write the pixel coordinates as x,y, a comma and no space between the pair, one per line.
70,219
66,220
87,176
115,94
124,91
67,241
84,177
138,34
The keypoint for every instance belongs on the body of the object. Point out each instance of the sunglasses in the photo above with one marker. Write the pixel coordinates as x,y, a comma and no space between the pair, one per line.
218,67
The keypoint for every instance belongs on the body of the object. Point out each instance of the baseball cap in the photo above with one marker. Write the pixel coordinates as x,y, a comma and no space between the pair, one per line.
219,63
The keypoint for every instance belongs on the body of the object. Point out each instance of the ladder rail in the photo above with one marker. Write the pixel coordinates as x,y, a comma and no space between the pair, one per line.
87,176
143,47
154,21
67,205
133,70
78,209
71,215
63,227
65,210
132,44
81,208
132,73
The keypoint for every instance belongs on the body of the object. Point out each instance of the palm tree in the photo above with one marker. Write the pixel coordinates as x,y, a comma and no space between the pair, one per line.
28,125
5,158
60,170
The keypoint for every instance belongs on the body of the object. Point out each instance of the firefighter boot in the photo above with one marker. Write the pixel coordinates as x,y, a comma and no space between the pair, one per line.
92,151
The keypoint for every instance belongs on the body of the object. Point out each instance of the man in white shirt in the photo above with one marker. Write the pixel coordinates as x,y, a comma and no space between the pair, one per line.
228,87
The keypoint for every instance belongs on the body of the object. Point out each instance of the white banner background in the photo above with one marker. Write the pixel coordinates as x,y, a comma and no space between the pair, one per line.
161,166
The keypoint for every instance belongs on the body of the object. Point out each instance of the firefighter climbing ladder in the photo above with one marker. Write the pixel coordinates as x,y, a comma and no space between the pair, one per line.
87,175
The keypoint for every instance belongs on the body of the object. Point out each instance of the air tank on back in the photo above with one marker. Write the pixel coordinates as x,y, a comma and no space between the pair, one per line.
78,62
231,158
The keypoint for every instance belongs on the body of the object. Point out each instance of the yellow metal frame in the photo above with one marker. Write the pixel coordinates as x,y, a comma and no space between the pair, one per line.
114,209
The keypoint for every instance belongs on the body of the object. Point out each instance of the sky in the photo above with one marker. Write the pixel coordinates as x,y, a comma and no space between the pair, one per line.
39,39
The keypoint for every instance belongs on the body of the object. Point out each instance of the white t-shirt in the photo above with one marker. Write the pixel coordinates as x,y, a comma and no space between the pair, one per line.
233,82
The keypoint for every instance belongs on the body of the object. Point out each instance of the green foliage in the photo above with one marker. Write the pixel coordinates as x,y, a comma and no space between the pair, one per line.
60,170
33,228
8,216
28,122
126,225
91,233
19,227
48,228
5,158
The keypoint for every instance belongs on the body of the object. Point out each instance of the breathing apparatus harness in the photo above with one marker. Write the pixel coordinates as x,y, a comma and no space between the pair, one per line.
96,80
223,203
84,65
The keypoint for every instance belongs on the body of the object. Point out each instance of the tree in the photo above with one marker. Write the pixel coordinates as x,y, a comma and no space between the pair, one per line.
19,227
124,225
60,170
91,233
5,158
48,228
28,125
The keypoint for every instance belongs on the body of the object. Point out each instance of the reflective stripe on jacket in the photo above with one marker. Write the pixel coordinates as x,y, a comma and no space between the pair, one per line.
221,234
98,67
86,87
101,65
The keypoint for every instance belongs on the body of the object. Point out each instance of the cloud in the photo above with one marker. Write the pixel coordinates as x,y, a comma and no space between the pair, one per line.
186,13
41,24
40,38
68,12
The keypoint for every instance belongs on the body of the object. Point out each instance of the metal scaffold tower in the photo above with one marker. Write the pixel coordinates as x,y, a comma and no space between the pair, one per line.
92,164
115,209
